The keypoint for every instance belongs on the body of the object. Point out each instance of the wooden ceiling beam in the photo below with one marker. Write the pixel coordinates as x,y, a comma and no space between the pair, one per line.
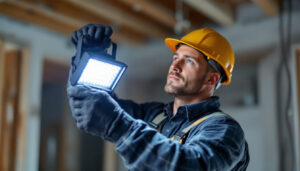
270,7
73,11
153,11
121,34
220,13
26,12
52,20
118,16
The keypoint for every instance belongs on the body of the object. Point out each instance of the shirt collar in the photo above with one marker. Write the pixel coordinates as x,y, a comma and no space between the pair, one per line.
195,110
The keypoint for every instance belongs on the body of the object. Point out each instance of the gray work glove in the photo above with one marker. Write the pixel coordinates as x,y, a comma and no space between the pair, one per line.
96,37
97,113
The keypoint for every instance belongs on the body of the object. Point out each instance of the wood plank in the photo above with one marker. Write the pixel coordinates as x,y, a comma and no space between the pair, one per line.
120,17
270,7
61,23
121,34
73,11
15,85
23,108
1,76
2,117
34,15
220,13
13,134
8,139
154,11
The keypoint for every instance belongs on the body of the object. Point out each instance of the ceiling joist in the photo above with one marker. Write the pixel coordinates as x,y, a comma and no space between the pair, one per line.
121,34
270,7
35,14
220,13
133,21
115,15
154,11
26,12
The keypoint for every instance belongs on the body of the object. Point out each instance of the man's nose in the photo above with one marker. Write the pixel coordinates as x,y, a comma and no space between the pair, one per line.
177,65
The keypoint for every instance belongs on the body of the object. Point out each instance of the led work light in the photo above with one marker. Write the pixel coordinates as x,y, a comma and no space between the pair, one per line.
98,70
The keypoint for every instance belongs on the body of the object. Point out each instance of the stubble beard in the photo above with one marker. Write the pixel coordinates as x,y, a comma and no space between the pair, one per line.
178,89
170,89
181,89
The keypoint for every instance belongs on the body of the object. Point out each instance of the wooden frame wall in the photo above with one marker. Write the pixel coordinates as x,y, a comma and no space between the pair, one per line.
12,133
23,105
1,83
56,77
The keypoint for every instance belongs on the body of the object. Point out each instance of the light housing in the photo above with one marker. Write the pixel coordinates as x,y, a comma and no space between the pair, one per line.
97,69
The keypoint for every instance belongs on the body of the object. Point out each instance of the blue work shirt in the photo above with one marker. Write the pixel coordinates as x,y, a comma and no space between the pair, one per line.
217,143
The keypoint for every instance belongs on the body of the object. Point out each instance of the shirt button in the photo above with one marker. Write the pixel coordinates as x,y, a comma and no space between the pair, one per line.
168,130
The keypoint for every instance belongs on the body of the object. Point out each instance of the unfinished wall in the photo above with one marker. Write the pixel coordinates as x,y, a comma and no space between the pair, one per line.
40,42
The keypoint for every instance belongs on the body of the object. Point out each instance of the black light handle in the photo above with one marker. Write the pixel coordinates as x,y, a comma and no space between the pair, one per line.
79,50
114,50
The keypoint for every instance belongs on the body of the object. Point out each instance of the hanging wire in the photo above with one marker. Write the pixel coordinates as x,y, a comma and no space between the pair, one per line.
284,121
180,16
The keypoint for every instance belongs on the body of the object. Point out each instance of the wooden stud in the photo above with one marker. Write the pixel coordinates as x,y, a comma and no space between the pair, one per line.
23,107
16,73
2,117
13,134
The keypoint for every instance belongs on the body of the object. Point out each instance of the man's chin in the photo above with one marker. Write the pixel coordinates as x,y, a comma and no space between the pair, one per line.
172,90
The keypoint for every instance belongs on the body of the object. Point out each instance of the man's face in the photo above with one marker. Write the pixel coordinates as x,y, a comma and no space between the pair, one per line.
187,72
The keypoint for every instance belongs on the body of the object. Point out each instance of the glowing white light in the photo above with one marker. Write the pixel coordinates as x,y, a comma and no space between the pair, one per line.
99,74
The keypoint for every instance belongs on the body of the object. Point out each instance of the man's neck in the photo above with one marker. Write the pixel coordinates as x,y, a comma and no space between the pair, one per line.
184,100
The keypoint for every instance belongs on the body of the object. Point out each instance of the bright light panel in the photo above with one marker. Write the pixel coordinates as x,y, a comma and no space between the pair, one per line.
100,74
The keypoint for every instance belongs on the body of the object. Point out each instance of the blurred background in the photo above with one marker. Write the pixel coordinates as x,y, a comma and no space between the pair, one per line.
37,131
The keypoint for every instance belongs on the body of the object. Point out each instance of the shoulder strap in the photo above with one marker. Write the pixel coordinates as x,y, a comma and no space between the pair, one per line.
181,135
158,121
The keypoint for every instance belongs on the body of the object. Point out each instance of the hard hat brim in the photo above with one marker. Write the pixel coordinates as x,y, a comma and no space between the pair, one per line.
172,43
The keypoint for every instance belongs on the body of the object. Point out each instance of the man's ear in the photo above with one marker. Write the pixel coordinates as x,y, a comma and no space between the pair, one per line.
213,78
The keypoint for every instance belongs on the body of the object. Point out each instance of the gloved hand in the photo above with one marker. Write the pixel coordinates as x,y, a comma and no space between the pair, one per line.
95,36
95,111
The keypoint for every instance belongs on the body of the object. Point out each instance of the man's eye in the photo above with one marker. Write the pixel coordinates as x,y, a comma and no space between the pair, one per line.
189,61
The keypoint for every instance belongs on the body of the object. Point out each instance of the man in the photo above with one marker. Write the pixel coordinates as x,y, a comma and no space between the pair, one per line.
190,133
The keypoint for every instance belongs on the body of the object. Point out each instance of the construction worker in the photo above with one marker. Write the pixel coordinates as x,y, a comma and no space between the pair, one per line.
189,133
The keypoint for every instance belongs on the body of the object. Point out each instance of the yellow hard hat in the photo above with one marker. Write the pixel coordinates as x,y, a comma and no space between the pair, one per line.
211,44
